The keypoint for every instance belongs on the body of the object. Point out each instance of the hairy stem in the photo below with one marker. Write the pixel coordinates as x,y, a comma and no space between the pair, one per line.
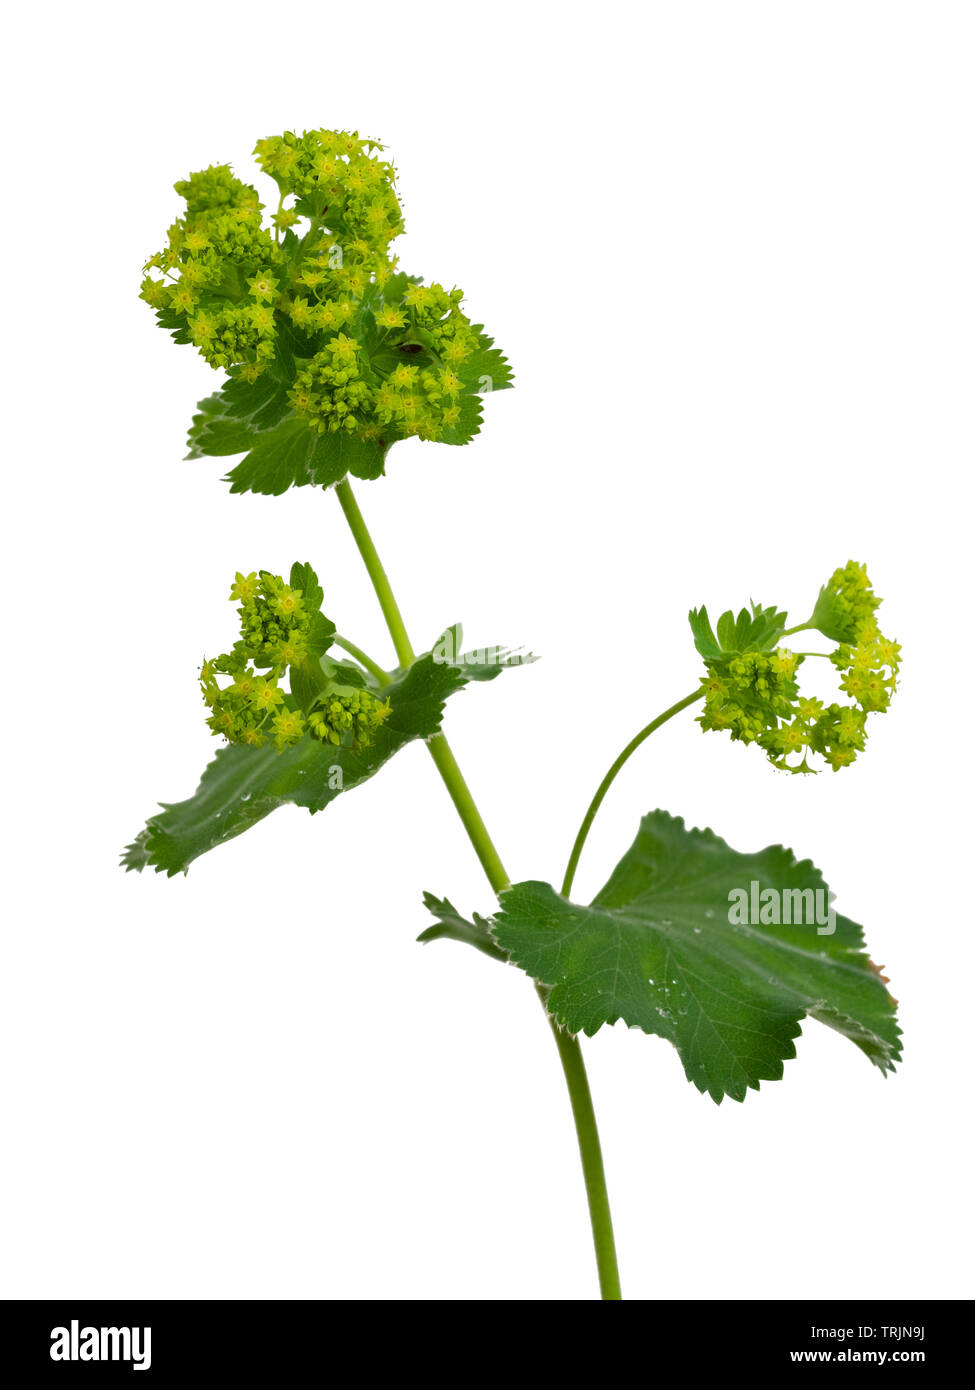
570,1053
609,779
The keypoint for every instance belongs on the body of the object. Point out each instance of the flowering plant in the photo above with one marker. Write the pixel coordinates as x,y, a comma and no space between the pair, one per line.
331,354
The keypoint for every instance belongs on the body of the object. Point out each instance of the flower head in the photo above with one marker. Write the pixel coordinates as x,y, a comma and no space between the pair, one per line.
350,344
751,689
283,632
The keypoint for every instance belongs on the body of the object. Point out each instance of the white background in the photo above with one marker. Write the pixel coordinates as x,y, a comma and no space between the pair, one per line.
728,249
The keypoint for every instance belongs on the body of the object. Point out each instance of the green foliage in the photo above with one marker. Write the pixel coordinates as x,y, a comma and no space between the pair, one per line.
244,784
333,354
286,455
657,950
451,926
751,691
754,630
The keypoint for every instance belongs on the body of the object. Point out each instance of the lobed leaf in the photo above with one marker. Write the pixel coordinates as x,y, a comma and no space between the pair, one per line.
656,949
755,629
486,369
242,785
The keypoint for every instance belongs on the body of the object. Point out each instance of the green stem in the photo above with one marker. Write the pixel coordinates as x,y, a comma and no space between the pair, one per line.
460,795
570,1053
597,1193
799,627
383,677
374,567
608,780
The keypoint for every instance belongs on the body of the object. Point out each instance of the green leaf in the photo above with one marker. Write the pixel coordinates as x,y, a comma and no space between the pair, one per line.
350,675
229,421
262,403
292,455
452,927
486,369
303,577
704,639
282,451
243,785
215,433
468,423
309,679
482,663
754,630
658,950
307,682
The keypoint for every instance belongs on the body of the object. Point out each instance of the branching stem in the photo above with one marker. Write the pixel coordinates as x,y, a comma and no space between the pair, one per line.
570,1053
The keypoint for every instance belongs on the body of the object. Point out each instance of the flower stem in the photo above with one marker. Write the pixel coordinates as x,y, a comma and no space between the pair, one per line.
608,780
383,677
374,567
570,1053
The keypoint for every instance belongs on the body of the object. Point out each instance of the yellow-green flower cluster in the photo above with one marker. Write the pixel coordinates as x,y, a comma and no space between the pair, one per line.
869,668
347,715
754,696
339,389
342,178
217,282
250,707
357,346
274,628
748,694
868,662
273,622
275,634
330,391
846,604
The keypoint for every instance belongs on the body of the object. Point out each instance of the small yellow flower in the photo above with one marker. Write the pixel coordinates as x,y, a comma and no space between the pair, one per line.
288,727
456,350
418,296
202,328
245,587
262,317
263,286
288,603
266,693
183,299
402,375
